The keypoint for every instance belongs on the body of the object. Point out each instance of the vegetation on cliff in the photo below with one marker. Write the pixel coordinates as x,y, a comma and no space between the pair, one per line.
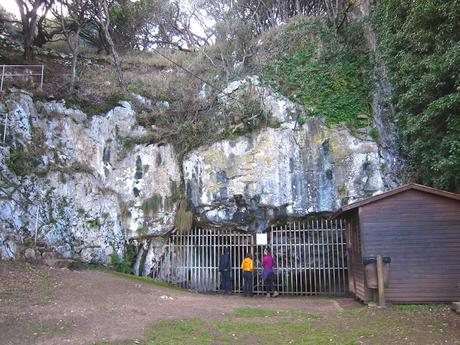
328,73
419,41
312,51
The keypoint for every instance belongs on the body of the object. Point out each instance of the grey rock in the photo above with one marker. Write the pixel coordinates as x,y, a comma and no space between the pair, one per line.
58,263
88,207
280,173
456,307
29,255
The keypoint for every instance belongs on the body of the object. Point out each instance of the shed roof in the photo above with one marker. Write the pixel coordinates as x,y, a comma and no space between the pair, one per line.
411,186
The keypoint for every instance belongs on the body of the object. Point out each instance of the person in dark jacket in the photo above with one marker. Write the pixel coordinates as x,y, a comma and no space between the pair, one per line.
224,269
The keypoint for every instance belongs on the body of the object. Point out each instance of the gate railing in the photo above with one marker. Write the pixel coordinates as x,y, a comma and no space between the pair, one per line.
310,258
11,71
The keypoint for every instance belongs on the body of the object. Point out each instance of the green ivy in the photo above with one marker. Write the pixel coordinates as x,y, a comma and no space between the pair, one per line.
419,41
328,75
93,223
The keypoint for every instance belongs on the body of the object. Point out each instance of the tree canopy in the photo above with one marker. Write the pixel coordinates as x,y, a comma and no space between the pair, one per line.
420,43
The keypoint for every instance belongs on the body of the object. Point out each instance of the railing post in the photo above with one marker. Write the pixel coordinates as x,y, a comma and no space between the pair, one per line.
3,75
41,80
36,225
4,129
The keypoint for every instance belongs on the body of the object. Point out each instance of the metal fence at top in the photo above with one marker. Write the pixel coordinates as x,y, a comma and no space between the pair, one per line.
21,71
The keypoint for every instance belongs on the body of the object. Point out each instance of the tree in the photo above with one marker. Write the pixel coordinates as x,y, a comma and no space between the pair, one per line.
29,16
104,19
419,41
78,16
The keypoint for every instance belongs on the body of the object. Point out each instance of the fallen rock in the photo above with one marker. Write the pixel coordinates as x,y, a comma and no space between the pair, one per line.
29,255
58,263
456,307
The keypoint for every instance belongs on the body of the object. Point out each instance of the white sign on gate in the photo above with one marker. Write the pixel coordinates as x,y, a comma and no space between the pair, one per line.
261,239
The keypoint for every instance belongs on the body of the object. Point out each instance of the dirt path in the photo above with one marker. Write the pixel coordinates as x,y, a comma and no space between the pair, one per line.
59,306
40,305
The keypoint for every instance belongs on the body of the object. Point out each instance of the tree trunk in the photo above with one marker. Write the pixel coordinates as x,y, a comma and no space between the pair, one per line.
29,22
104,12
28,29
28,46
74,44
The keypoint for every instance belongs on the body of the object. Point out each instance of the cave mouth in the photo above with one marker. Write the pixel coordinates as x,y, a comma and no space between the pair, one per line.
310,258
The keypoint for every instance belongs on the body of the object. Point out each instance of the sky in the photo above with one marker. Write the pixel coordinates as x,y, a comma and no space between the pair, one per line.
10,6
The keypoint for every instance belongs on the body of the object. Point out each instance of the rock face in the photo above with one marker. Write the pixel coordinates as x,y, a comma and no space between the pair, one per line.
287,172
279,173
71,180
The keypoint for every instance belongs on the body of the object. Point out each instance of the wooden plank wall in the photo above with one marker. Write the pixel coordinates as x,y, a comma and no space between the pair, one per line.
356,267
421,234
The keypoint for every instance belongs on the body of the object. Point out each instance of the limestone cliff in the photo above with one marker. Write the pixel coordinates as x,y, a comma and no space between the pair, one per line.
73,181
76,184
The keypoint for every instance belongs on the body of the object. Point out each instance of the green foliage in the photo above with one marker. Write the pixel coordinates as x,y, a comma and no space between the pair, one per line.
22,162
253,312
374,133
91,107
142,231
248,115
80,266
93,223
152,204
193,332
175,192
183,219
135,89
122,265
301,120
420,43
326,73
411,308
62,178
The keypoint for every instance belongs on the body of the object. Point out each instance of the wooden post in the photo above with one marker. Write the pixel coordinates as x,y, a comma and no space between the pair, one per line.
380,283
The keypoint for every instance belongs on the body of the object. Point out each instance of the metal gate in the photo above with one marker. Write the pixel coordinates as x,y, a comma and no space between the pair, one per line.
310,258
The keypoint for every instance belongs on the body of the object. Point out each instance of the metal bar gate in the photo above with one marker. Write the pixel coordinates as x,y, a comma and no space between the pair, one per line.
310,258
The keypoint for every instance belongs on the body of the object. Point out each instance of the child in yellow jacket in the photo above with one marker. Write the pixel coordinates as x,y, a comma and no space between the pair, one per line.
248,267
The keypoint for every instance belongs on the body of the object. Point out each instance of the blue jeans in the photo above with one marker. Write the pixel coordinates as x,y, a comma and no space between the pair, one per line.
247,283
226,281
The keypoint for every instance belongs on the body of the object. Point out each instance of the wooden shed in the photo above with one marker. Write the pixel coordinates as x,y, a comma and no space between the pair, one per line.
418,228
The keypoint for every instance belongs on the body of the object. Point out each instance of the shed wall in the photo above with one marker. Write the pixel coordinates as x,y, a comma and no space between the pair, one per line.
421,234
356,267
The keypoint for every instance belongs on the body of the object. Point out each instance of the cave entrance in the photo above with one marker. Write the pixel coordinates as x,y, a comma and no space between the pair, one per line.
310,258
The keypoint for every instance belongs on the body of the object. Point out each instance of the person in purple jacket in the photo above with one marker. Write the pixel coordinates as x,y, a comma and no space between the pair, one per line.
267,274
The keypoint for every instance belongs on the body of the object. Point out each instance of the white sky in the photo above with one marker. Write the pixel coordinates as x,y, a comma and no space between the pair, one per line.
10,6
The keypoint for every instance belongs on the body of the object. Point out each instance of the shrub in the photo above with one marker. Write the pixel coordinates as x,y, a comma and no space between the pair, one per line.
121,264
324,72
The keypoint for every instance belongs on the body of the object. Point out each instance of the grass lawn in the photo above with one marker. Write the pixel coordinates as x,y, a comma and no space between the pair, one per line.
362,325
